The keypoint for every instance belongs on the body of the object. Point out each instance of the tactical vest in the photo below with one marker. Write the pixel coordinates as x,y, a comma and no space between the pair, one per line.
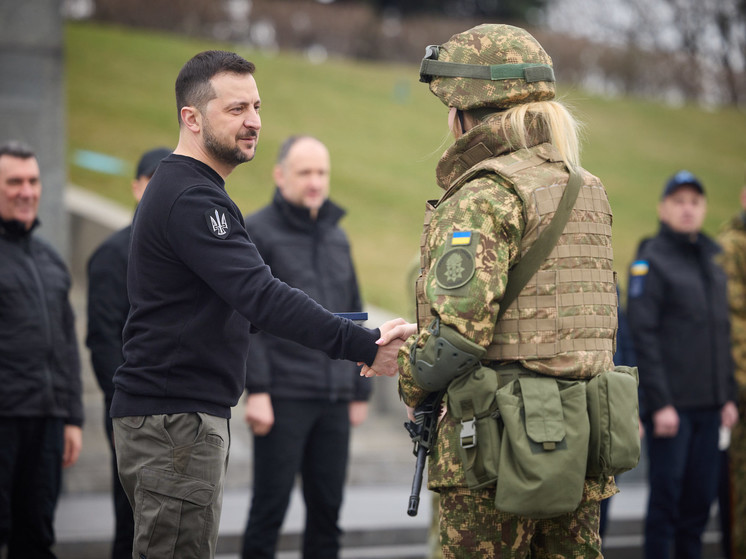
570,304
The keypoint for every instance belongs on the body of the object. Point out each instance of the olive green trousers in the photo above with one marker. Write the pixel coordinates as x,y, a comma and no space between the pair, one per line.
172,468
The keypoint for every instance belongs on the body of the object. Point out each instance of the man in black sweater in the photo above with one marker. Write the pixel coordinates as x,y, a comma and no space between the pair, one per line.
197,285
678,316
300,403
108,307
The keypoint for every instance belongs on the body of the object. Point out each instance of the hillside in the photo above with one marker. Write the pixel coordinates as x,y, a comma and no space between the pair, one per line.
385,132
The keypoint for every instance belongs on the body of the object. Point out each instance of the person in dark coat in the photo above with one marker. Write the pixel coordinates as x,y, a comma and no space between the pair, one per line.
679,319
41,409
108,306
301,403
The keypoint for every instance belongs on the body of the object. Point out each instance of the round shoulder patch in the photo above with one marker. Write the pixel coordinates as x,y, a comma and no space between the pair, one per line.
217,222
455,268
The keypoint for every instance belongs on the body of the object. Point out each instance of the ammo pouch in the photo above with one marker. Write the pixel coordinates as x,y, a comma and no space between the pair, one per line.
613,413
527,432
544,447
472,400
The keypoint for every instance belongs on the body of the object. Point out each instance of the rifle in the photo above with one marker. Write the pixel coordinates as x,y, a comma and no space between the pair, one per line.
422,432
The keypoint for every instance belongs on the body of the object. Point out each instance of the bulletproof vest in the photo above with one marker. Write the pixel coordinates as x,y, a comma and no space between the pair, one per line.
570,304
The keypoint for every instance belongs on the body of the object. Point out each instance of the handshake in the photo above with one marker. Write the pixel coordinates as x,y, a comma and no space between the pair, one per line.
393,335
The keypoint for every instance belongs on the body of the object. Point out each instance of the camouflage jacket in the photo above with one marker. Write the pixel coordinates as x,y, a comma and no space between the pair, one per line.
733,260
492,209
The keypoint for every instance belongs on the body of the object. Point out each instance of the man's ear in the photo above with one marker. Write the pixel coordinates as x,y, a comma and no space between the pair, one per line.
661,211
192,118
277,175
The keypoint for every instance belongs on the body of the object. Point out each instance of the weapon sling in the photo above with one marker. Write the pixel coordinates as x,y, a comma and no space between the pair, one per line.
530,262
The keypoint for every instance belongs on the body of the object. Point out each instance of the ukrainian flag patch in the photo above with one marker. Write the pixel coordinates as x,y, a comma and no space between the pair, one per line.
638,271
461,238
639,268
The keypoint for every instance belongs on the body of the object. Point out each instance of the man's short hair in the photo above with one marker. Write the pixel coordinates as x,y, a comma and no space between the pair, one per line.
14,148
193,87
288,144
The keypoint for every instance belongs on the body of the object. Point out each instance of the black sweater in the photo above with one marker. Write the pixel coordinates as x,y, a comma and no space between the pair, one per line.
196,284
314,256
678,316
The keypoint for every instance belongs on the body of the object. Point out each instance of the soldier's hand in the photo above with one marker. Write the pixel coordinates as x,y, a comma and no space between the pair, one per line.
259,413
396,329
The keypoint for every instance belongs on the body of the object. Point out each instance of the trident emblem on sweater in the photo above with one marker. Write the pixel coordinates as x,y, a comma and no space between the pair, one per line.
217,223
220,226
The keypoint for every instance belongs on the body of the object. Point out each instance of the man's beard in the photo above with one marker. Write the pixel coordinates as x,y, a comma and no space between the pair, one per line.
230,155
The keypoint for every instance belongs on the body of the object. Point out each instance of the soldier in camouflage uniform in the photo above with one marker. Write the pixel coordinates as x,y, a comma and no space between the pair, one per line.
503,178
733,259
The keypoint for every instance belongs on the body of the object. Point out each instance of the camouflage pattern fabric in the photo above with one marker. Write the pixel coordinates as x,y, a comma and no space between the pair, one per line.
733,260
489,44
490,208
472,528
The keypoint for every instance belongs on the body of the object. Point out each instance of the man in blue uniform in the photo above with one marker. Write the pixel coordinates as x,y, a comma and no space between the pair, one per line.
678,316
197,285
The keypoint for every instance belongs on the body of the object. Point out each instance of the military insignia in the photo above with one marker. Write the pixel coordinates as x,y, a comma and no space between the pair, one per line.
217,223
455,268
461,238
638,271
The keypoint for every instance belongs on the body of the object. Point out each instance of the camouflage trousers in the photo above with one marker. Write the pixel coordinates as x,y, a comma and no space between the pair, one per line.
472,528
737,454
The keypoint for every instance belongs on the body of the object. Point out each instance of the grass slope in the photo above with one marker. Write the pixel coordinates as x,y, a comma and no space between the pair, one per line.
385,132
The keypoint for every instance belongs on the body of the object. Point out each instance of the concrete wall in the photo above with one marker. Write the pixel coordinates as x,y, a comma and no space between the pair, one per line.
32,100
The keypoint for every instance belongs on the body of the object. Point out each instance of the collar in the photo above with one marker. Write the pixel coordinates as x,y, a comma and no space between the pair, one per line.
488,139
300,217
684,239
14,229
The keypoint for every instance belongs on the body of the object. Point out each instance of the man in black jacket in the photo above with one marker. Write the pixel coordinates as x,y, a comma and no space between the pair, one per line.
41,411
108,306
300,403
678,316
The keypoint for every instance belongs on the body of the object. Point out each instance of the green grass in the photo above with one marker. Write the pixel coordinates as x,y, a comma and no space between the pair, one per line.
385,132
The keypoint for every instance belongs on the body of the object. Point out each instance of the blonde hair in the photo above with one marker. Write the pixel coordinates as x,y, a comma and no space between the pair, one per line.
551,117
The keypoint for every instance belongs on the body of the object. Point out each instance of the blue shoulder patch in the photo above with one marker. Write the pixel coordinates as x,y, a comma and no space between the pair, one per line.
638,271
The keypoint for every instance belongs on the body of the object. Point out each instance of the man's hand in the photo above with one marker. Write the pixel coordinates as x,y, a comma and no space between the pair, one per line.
666,422
393,334
729,415
358,412
73,438
259,413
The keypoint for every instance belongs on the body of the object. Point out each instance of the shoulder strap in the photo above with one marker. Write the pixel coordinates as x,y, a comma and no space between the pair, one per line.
531,261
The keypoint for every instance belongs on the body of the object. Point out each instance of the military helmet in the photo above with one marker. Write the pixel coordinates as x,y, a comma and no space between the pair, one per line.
489,65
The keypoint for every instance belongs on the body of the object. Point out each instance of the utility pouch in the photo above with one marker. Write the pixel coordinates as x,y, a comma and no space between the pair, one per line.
544,447
472,401
613,411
